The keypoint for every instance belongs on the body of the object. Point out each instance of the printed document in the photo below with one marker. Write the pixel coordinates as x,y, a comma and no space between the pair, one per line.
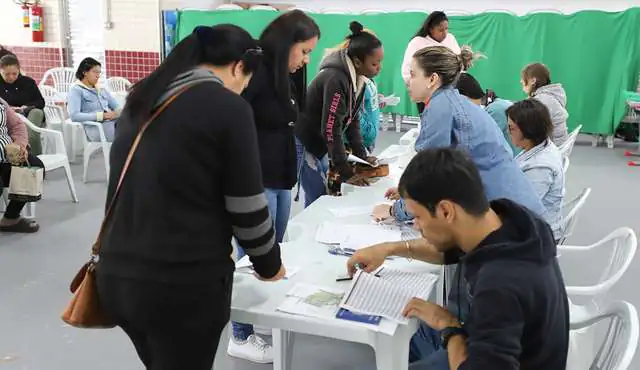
387,295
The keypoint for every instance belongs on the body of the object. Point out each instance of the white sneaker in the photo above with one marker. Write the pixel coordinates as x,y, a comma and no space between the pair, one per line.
254,349
261,330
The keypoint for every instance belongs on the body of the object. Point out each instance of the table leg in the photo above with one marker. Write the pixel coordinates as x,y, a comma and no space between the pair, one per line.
282,349
398,119
391,353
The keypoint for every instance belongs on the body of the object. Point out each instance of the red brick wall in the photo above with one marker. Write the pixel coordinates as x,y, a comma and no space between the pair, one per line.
132,65
35,61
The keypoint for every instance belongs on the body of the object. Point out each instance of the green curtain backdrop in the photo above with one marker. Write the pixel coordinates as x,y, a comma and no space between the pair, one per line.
595,55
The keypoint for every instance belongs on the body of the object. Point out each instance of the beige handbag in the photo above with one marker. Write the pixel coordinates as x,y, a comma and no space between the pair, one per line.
26,183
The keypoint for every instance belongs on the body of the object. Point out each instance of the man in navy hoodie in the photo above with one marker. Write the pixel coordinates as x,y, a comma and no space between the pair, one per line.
516,314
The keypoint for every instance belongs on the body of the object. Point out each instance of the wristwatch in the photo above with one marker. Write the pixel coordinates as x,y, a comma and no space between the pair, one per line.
448,333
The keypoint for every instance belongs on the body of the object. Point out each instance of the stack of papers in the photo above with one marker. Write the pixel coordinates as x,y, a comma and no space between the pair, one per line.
388,293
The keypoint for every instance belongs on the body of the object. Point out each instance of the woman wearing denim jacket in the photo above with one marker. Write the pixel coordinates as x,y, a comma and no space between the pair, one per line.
87,102
530,126
451,120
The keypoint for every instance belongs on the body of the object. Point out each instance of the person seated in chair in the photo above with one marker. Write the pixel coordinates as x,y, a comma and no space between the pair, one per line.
88,102
22,94
531,128
13,131
508,305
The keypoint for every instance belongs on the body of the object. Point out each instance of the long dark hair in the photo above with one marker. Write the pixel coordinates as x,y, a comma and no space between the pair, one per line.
538,71
433,20
278,38
219,45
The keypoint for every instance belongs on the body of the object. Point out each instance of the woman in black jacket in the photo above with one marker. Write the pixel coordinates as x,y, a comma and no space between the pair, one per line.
275,98
165,271
24,97
333,103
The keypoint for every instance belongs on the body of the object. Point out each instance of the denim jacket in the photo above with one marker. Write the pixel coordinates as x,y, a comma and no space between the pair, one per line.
89,104
451,120
543,166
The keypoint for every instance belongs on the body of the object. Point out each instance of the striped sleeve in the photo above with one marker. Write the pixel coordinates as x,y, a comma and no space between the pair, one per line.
245,200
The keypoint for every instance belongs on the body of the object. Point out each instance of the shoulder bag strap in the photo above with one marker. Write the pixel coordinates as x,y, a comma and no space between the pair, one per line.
98,243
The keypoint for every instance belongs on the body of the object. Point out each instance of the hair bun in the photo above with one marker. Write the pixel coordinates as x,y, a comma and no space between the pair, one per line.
356,28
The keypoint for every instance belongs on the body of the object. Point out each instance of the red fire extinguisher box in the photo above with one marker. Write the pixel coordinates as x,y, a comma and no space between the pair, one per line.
37,24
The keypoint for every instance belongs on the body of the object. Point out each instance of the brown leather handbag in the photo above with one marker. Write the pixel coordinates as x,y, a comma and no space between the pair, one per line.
84,310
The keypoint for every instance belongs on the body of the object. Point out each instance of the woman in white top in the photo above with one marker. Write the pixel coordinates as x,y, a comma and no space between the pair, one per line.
434,32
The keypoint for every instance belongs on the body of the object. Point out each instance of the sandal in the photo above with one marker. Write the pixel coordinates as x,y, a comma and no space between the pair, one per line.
23,226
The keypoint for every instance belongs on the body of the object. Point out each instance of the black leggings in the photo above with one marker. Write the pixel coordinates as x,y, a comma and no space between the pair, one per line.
172,326
14,208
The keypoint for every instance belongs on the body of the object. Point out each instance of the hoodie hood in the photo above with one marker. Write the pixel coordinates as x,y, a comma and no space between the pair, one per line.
555,91
523,237
338,59
185,79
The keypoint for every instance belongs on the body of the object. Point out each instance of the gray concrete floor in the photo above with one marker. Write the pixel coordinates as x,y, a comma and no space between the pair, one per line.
35,271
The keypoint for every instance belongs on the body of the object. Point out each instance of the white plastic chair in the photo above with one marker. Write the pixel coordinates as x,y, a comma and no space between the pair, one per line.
50,95
565,164
118,85
570,212
229,7
621,339
91,147
72,132
63,78
263,7
567,146
57,158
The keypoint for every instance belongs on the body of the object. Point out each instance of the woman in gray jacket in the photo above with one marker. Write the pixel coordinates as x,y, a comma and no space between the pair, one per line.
530,126
536,82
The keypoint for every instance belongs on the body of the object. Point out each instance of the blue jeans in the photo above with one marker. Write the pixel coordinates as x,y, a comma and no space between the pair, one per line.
279,203
426,352
313,177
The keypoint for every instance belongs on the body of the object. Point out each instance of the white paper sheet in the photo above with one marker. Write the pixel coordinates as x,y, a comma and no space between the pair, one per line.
351,211
244,266
353,158
355,236
388,294
391,100
313,301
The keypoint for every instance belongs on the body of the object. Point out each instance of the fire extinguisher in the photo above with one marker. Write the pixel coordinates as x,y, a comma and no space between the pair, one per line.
25,16
37,23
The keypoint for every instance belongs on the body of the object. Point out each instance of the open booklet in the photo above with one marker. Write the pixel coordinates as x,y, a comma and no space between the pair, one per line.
387,292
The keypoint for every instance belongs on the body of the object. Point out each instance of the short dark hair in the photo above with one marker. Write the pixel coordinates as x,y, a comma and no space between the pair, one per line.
9,60
433,20
85,66
361,43
538,71
434,175
278,38
468,86
220,45
532,118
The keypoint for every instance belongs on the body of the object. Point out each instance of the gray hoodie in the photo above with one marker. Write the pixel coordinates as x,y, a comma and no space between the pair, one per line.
555,99
188,78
